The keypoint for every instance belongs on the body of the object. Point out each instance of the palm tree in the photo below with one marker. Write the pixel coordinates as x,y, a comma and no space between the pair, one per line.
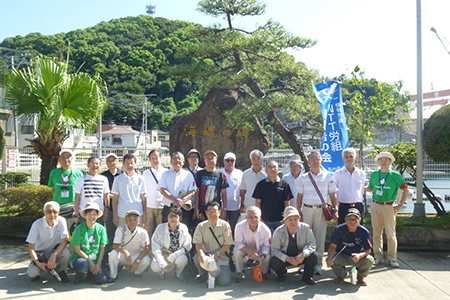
59,100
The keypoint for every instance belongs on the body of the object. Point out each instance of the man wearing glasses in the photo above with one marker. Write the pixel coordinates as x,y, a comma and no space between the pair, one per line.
234,178
47,241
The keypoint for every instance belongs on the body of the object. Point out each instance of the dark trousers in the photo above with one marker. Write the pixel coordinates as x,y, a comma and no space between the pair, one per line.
186,219
233,219
279,266
343,207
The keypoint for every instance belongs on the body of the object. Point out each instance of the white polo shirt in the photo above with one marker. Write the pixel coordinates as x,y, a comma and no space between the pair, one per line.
45,237
129,190
324,182
249,181
350,186
135,244
154,197
234,182
291,180
177,184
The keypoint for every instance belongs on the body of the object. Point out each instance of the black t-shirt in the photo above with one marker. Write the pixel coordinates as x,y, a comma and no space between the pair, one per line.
273,196
210,185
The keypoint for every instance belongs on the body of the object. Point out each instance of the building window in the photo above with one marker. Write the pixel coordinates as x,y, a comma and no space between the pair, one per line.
162,138
27,129
117,141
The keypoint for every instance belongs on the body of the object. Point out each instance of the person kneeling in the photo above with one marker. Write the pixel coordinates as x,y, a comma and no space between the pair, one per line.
88,241
352,243
293,244
130,247
171,242
252,239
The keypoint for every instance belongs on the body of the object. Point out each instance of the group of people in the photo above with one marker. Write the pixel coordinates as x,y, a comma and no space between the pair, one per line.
216,218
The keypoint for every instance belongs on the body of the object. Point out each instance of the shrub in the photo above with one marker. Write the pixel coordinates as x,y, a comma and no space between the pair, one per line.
26,201
13,179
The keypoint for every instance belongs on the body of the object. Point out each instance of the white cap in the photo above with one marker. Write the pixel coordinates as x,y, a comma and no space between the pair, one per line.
113,155
65,151
230,155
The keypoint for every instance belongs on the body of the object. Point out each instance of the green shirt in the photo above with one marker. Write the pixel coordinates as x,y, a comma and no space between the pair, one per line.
64,183
89,239
388,182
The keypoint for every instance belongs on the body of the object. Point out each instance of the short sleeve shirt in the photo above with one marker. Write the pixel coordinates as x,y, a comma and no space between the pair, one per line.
154,197
324,182
273,197
92,189
388,183
249,180
350,185
210,185
134,241
203,236
177,184
355,242
234,181
64,182
129,189
89,240
45,237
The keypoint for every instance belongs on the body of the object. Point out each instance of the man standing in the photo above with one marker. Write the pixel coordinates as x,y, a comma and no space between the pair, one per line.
250,179
293,244
47,241
234,179
212,239
177,186
62,181
352,243
128,192
272,195
130,247
193,159
310,204
155,205
350,183
91,188
295,166
112,162
384,185
252,239
211,186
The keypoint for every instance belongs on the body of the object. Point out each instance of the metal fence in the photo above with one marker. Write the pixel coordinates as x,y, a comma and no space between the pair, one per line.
436,175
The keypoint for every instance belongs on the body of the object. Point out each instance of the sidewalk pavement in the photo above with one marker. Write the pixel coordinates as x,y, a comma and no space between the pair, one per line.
422,275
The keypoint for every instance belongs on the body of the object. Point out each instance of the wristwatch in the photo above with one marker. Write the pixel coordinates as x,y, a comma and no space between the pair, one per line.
138,260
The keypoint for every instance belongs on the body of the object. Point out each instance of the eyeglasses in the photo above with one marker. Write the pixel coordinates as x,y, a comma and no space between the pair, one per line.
230,160
51,212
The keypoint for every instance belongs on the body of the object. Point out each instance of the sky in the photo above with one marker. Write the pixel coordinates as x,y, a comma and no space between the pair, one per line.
379,36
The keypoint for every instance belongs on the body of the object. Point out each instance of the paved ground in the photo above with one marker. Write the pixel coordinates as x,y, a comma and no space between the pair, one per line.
422,275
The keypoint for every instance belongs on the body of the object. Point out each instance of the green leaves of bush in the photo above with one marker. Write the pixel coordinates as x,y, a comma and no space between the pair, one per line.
26,201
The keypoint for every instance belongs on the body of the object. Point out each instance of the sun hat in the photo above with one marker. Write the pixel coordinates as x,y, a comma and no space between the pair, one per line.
385,154
290,211
91,205
210,152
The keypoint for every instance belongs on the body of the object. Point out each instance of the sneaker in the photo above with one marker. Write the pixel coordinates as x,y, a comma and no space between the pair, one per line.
340,278
378,261
360,281
318,270
63,276
394,263
309,280
240,277
111,280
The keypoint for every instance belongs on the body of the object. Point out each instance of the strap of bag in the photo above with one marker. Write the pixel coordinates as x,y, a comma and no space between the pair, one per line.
315,187
135,232
154,177
217,240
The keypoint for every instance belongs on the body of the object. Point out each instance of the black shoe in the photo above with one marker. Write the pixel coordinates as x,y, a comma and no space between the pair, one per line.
110,280
281,277
63,276
309,280
78,278
202,278
35,278
240,277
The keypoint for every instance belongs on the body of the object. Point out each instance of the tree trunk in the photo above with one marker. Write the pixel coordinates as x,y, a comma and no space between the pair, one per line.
47,165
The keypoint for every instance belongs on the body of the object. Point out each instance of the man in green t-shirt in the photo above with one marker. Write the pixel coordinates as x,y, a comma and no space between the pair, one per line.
89,240
384,185
62,181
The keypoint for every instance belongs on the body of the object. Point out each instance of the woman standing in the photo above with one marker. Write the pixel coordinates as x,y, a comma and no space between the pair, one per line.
89,240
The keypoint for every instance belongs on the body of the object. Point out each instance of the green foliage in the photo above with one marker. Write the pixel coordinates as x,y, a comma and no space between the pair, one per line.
436,134
405,156
442,221
371,104
13,179
26,201
130,54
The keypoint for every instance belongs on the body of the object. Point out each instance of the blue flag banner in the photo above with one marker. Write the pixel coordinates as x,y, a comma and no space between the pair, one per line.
335,135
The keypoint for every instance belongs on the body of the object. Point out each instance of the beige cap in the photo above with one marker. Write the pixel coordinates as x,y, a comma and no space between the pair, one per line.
290,211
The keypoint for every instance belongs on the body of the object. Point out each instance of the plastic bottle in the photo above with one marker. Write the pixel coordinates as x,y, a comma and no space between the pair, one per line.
354,274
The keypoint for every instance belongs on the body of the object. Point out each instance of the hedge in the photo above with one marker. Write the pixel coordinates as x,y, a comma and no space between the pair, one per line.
26,201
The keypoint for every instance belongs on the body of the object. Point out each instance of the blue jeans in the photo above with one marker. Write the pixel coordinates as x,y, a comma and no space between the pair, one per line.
81,266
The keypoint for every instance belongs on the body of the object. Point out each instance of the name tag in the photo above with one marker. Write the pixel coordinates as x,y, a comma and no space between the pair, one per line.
64,194
379,193
93,256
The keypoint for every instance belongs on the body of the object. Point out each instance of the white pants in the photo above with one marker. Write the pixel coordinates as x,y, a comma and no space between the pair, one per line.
117,259
238,257
179,264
